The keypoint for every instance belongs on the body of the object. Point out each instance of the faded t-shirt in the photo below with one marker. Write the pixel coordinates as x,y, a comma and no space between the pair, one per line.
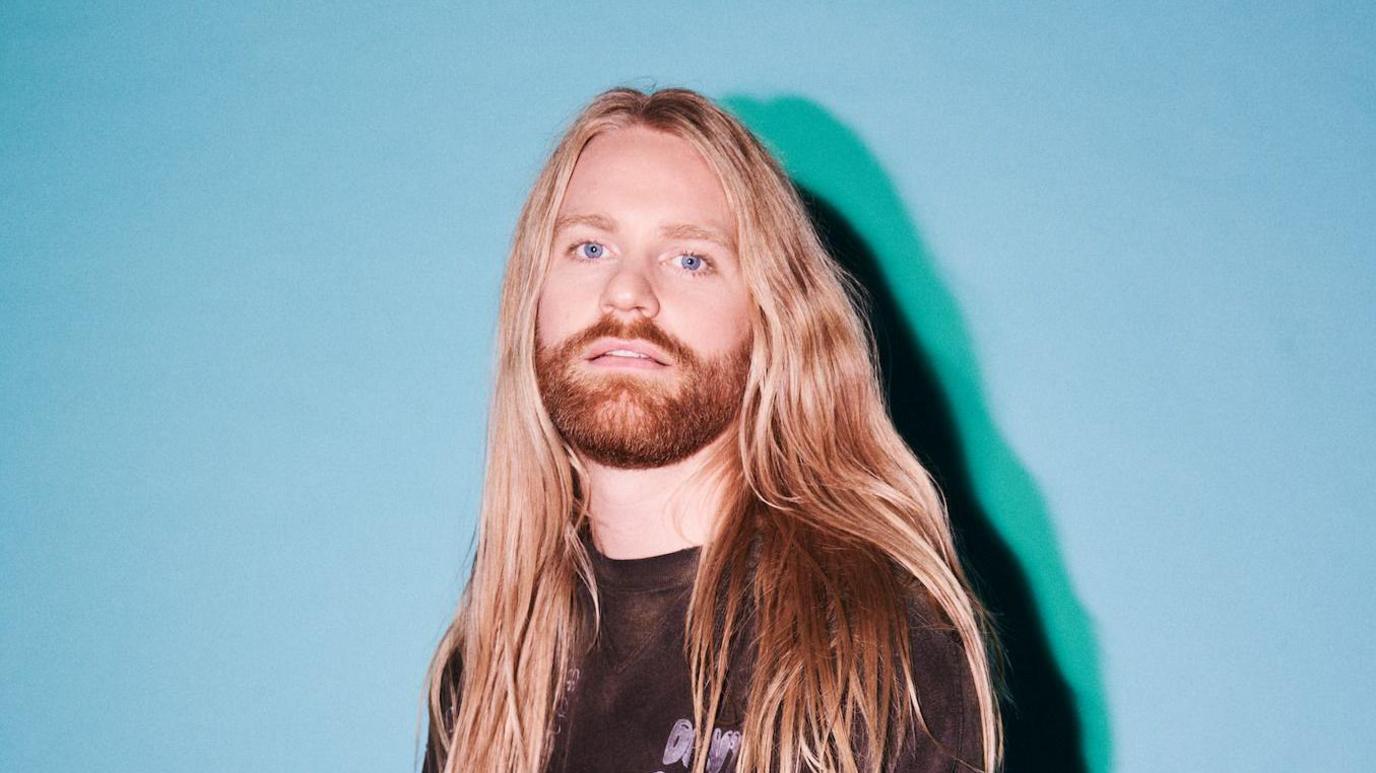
628,704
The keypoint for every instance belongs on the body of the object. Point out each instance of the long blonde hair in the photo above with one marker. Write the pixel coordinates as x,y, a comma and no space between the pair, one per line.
832,528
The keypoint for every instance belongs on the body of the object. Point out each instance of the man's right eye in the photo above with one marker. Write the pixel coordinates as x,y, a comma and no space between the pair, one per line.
589,250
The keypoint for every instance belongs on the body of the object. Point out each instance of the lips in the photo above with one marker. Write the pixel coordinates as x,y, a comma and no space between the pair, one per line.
621,351
625,363
626,354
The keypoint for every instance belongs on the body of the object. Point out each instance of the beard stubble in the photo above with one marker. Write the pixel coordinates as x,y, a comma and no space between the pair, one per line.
639,421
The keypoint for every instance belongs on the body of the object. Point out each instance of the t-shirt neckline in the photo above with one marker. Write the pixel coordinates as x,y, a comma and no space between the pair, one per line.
668,570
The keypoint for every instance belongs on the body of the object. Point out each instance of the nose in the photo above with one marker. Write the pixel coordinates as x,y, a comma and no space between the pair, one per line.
628,291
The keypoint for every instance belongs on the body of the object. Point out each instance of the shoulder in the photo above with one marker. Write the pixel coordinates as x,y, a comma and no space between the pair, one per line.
947,731
442,721
934,643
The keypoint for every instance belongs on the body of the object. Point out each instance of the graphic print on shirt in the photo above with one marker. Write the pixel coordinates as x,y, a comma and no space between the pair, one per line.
679,748
561,708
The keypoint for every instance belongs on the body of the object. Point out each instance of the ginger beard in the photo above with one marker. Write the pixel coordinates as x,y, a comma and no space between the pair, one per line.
629,419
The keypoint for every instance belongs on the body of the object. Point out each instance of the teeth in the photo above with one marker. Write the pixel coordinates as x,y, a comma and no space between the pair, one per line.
626,353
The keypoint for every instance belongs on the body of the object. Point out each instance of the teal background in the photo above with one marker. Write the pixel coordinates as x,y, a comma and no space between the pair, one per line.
249,258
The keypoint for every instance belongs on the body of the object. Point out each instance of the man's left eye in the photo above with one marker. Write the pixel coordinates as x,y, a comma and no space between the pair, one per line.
691,262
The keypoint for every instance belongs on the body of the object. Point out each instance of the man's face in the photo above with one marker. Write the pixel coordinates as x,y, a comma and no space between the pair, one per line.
642,329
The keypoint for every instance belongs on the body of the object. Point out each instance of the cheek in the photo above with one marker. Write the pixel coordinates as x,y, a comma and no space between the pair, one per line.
556,315
546,319
725,325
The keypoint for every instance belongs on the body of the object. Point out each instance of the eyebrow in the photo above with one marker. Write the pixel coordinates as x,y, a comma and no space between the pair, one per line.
596,221
691,231
671,231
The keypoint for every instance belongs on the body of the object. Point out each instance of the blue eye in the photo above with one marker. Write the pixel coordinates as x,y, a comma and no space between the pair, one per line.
693,263
590,250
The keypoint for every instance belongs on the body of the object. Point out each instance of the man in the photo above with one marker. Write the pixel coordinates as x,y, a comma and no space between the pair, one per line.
702,544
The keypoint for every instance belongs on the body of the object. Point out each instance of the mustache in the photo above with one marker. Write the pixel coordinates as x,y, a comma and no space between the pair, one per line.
642,328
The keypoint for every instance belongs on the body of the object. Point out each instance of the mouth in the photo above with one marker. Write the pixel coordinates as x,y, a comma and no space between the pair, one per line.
626,358
631,353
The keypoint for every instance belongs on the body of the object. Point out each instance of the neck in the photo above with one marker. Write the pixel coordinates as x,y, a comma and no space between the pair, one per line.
638,513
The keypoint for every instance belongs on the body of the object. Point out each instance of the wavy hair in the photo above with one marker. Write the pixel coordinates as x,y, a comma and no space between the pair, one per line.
832,524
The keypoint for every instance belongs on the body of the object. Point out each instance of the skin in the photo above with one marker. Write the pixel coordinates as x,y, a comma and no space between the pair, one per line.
630,188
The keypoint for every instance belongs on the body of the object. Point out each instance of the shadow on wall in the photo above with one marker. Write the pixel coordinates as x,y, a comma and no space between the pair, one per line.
1054,712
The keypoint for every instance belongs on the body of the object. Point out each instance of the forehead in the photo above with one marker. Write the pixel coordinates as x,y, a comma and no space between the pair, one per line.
646,174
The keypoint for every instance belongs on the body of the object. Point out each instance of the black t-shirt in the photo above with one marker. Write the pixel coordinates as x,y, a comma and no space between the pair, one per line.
628,703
